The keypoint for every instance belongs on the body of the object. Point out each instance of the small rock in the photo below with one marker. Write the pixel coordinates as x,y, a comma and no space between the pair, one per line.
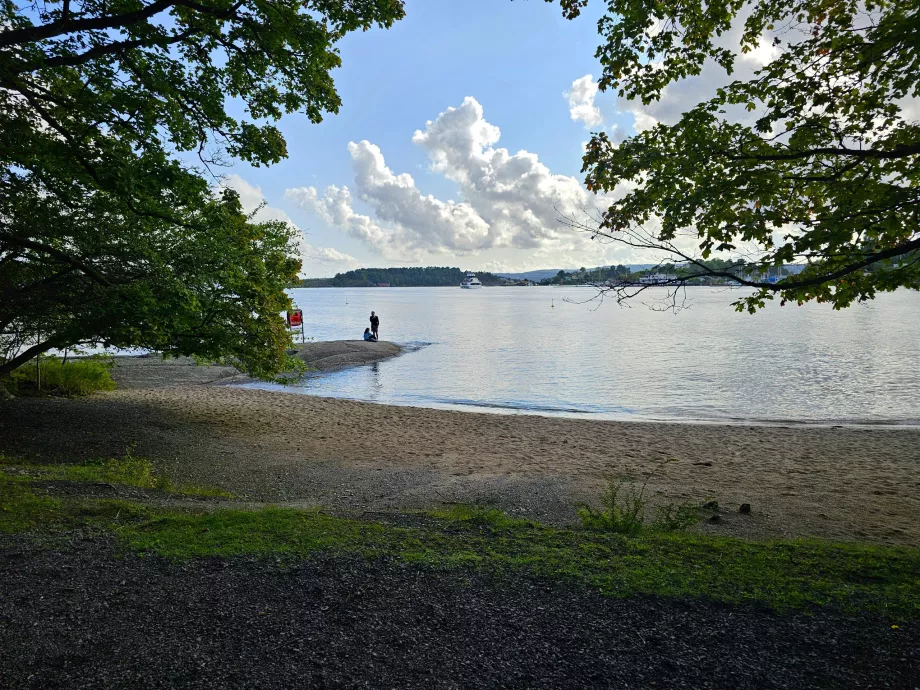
745,509
714,519
711,505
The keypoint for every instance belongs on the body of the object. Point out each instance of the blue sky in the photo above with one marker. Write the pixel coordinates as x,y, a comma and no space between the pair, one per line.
516,60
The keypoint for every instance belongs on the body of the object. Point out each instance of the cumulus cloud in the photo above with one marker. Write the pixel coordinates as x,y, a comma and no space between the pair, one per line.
581,102
253,201
509,200
678,97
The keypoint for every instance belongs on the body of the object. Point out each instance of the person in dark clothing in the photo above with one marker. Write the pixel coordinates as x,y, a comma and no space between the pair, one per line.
368,336
375,325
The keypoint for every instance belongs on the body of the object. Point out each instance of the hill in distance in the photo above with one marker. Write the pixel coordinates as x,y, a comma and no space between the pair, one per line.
543,273
429,276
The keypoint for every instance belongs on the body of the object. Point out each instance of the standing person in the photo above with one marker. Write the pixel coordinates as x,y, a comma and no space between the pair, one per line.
375,325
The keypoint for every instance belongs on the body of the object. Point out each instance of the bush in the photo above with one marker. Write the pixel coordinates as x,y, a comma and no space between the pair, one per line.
75,377
623,511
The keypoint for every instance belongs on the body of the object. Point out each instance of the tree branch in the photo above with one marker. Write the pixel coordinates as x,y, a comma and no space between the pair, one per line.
59,255
65,25
899,151
26,355
117,48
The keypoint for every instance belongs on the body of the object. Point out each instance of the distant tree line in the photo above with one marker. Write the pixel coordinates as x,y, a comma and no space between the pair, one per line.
620,274
430,276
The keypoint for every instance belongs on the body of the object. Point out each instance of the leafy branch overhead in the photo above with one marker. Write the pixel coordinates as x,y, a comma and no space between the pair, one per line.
106,235
813,160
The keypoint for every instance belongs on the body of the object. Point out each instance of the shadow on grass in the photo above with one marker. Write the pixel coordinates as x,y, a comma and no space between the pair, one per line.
797,574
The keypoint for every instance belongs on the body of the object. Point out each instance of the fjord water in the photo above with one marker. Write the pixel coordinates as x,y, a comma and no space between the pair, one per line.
539,350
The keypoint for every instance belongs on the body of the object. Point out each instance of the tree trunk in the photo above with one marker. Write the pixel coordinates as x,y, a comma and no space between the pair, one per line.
29,354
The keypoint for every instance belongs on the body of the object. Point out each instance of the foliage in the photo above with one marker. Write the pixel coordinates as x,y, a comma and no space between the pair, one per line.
623,511
782,574
402,277
105,235
675,517
75,377
813,160
213,288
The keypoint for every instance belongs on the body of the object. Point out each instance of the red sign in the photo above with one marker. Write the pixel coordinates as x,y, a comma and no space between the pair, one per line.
295,318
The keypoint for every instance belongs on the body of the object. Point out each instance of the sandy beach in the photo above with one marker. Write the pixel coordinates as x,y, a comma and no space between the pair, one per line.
836,482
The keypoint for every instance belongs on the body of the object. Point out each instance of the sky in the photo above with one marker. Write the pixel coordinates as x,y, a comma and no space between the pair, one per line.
458,143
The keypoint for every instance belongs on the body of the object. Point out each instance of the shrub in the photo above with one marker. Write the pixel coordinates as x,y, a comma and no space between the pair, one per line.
623,510
75,377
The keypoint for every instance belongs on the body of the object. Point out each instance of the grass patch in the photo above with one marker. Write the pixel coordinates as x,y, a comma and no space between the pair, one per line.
479,515
782,574
72,378
21,509
779,574
126,471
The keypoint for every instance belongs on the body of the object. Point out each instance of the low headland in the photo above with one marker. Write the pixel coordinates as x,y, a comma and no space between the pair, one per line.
281,538
152,371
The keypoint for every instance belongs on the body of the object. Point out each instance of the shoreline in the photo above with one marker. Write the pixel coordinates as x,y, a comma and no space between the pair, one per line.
152,371
315,452
509,411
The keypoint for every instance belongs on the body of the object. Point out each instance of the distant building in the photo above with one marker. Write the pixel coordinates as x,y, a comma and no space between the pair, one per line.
383,285
656,279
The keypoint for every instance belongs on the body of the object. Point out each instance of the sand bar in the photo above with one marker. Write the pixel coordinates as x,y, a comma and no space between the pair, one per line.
152,371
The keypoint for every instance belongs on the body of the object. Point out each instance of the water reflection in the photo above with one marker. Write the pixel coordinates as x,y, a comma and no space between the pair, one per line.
506,349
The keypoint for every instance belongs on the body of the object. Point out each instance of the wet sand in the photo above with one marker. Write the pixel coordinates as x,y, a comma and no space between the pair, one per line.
836,482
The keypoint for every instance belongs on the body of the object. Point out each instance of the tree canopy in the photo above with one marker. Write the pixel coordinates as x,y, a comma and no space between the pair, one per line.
431,276
107,233
813,160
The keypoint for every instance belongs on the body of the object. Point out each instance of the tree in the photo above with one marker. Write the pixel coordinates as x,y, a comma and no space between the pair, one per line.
213,288
104,234
823,173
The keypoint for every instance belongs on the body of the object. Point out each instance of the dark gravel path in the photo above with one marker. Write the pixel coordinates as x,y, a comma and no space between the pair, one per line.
82,618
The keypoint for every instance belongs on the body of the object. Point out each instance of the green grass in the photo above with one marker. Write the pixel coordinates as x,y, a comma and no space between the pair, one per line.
75,377
779,574
127,471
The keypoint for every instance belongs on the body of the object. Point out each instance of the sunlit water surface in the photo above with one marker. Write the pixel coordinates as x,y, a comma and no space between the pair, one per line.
536,350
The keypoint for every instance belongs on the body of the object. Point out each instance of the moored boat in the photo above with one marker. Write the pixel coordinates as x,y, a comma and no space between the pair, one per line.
471,281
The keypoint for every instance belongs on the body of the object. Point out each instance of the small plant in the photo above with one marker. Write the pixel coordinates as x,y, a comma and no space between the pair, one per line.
675,517
623,510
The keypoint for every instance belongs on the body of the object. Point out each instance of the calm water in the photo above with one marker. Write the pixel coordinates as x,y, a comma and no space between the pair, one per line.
508,349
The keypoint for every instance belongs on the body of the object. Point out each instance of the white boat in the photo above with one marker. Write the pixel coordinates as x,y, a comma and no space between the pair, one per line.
471,281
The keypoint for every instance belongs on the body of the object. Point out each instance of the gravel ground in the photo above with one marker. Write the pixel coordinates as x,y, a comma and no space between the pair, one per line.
83,618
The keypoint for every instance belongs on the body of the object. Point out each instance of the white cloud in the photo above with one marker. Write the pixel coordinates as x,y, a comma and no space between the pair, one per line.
315,259
508,201
516,194
763,54
679,97
581,102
